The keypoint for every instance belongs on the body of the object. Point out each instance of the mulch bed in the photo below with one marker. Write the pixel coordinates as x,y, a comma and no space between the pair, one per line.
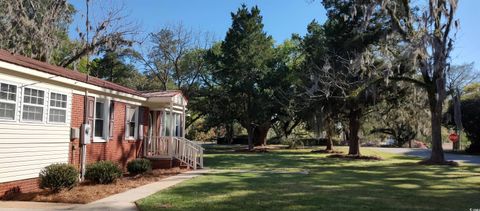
355,157
323,151
85,193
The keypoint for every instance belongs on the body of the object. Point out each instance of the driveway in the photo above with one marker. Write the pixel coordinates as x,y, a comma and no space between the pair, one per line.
425,153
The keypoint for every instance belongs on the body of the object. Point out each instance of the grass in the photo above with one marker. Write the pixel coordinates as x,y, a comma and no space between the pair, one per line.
271,181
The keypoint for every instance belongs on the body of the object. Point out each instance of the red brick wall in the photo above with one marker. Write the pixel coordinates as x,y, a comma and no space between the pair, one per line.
26,185
117,149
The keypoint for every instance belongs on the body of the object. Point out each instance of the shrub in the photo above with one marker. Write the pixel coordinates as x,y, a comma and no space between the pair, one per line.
58,176
139,166
103,172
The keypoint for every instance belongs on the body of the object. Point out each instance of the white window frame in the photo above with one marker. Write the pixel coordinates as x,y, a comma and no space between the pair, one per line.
106,119
54,107
135,133
46,98
15,116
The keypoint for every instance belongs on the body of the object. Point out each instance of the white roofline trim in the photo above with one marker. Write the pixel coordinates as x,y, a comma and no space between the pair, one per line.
63,80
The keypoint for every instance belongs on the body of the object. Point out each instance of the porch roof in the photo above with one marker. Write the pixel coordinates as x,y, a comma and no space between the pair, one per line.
169,96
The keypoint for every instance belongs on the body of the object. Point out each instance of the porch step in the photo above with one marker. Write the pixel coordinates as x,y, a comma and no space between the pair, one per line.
160,157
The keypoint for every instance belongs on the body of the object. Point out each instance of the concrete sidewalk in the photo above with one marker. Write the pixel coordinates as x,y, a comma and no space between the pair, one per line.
122,201
425,153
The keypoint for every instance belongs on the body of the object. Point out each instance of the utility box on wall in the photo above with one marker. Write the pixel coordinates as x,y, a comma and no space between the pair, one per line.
74,133
86,134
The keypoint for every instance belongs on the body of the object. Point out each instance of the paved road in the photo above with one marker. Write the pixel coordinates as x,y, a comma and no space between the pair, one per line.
470,159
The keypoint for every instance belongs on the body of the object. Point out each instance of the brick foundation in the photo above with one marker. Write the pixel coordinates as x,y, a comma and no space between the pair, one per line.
24,186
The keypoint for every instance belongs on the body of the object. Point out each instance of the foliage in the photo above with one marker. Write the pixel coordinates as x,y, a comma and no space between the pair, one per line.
250,79
39,29
113,67
403,116
56,177
470,120
139,166
344,68
103,172
35,29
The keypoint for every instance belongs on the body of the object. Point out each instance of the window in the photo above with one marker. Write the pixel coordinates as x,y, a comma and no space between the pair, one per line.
58,108
33,103
166,124
99,119
131,123
8,96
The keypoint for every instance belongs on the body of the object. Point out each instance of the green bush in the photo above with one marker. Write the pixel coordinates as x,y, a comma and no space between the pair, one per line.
103,172
139,166
58,176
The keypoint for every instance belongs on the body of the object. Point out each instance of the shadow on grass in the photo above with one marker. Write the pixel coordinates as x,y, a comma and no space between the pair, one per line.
398,183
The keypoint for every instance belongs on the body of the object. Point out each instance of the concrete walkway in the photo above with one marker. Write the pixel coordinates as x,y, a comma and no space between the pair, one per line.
123,201
425,153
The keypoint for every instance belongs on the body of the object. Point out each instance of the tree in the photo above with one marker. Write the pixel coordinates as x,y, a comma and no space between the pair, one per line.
350,73
110,32
458,76
247,73
34,29
39,29
428,34
113,67
402,116
315,52
176,56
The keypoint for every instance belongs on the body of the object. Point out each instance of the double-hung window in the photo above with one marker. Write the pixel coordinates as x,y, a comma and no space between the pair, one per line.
33,104
99,119
58,108
131,122
8,97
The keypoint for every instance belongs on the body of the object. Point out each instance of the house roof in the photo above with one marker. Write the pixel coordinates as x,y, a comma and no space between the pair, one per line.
63,72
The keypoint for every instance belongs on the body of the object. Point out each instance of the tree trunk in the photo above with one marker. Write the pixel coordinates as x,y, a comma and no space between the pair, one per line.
260,135
229,133
329,143
437,155
410,143
354,127
250,131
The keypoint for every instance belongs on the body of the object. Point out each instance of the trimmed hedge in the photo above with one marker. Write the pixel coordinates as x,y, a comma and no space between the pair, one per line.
139,166
103,172
58,176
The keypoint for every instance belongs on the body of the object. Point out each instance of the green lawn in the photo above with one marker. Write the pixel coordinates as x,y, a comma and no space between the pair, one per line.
271,181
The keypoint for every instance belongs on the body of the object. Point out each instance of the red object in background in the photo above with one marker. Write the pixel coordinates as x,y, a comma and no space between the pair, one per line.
453,137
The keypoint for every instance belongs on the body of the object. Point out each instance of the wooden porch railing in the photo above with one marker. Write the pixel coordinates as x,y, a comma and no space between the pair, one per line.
188,152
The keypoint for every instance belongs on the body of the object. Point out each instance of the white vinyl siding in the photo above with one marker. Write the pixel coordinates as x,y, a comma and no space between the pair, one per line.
27,146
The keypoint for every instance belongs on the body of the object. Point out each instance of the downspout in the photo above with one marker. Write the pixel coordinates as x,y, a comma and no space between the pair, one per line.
82,142
85,108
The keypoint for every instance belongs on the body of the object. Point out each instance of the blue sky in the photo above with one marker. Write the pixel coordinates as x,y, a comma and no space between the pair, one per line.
281,18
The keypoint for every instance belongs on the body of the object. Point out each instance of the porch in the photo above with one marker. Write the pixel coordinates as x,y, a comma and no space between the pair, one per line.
164,137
